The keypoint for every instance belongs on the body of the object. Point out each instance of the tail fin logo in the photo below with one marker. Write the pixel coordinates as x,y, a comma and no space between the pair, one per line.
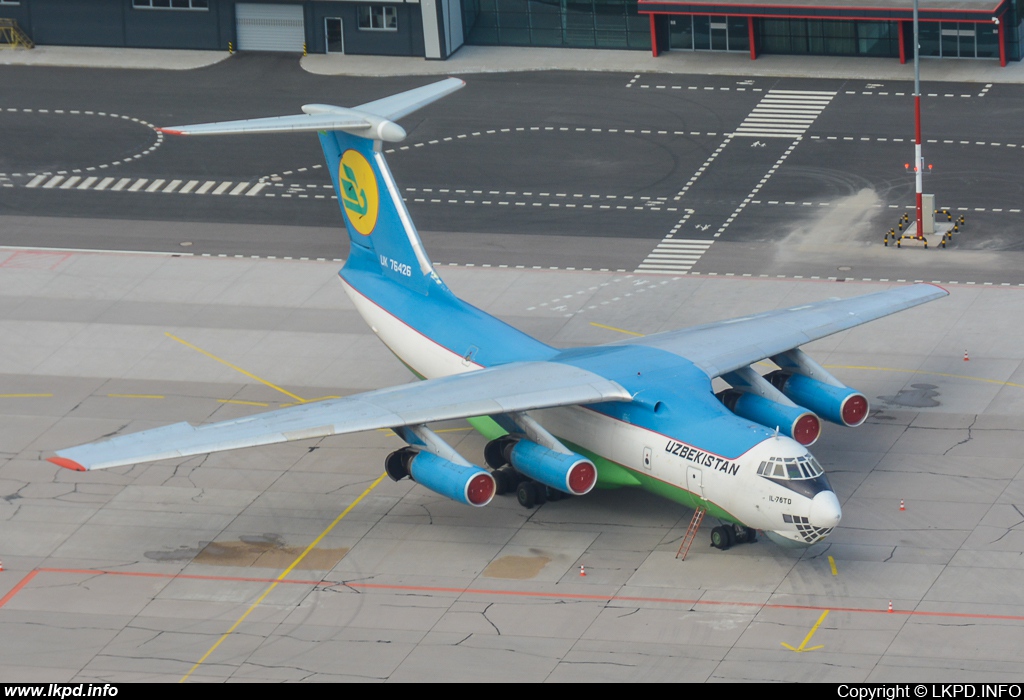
359,193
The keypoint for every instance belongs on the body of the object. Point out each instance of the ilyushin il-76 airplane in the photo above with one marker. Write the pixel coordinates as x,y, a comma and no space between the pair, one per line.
635,413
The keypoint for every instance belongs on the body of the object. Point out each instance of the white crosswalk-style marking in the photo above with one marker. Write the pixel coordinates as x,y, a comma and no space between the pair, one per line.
48,181
784,113
675,255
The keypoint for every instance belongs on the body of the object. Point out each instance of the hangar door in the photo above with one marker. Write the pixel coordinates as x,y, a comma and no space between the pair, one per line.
269,27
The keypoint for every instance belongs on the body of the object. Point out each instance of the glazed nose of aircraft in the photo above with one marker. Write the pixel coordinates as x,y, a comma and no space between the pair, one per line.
825,510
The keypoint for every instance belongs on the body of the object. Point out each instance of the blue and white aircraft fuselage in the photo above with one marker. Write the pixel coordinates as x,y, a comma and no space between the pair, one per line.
639,413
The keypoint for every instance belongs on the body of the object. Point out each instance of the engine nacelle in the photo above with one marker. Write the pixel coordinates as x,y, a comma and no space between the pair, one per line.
798,423
837,404
496,452
469,485
571,473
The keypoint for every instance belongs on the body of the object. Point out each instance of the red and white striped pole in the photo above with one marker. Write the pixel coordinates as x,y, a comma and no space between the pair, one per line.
918,158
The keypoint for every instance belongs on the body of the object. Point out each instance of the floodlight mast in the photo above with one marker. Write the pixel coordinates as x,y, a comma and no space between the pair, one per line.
918,157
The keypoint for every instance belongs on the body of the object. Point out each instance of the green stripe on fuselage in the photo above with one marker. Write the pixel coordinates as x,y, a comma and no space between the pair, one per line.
612,475
487,427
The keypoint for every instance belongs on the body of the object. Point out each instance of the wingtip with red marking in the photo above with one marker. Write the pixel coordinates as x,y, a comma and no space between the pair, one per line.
67,463
172,132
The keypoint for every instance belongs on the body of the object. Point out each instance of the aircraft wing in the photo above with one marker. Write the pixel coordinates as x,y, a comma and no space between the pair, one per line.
726,346
520,386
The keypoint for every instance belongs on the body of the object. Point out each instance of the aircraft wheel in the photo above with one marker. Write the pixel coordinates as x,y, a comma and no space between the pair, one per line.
751,534
540,493
730,534
501,485
510,476
719,538
526,495
554,494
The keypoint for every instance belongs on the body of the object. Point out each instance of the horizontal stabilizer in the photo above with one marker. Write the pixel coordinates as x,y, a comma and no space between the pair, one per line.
398,106
273,125
373,120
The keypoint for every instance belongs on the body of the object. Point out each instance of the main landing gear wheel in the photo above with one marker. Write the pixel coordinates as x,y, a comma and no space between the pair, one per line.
530,494
506,479
720,538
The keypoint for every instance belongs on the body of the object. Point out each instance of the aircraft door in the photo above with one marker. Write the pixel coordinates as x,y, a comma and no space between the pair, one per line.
693,481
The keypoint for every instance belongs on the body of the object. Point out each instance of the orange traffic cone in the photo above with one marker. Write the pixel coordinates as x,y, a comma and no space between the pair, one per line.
583,572
902,507
966,359
890,606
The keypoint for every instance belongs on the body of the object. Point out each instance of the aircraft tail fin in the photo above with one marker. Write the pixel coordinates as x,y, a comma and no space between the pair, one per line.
380,230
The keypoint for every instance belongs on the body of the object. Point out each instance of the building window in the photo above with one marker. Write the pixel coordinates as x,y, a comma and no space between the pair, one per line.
170,4
378,18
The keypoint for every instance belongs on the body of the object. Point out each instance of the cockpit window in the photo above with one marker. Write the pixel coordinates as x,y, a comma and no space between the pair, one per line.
791,468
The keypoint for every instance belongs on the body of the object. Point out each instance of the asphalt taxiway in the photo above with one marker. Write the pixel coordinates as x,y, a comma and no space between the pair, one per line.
194,568
745,174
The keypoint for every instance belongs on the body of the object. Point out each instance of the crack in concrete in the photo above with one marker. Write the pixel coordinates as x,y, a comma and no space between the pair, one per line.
489,621
965,440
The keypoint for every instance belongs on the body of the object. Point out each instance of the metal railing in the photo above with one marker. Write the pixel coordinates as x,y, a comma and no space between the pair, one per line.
11,36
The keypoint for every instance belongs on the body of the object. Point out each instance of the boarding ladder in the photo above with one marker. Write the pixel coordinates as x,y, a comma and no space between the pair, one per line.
691,532
11,36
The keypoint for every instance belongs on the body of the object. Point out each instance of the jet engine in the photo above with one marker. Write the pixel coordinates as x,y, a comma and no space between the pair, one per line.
794,421
539,455
567,472
466,484
838,404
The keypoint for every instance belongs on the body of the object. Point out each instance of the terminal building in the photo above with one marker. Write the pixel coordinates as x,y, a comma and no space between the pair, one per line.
434,29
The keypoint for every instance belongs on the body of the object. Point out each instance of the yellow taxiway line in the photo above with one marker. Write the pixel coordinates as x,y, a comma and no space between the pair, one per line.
803,645
617,330
264,382
283,575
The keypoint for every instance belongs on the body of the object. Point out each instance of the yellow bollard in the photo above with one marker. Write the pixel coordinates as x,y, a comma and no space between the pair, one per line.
231,47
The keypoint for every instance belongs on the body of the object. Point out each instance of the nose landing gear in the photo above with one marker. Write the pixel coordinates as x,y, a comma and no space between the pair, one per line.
725,536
